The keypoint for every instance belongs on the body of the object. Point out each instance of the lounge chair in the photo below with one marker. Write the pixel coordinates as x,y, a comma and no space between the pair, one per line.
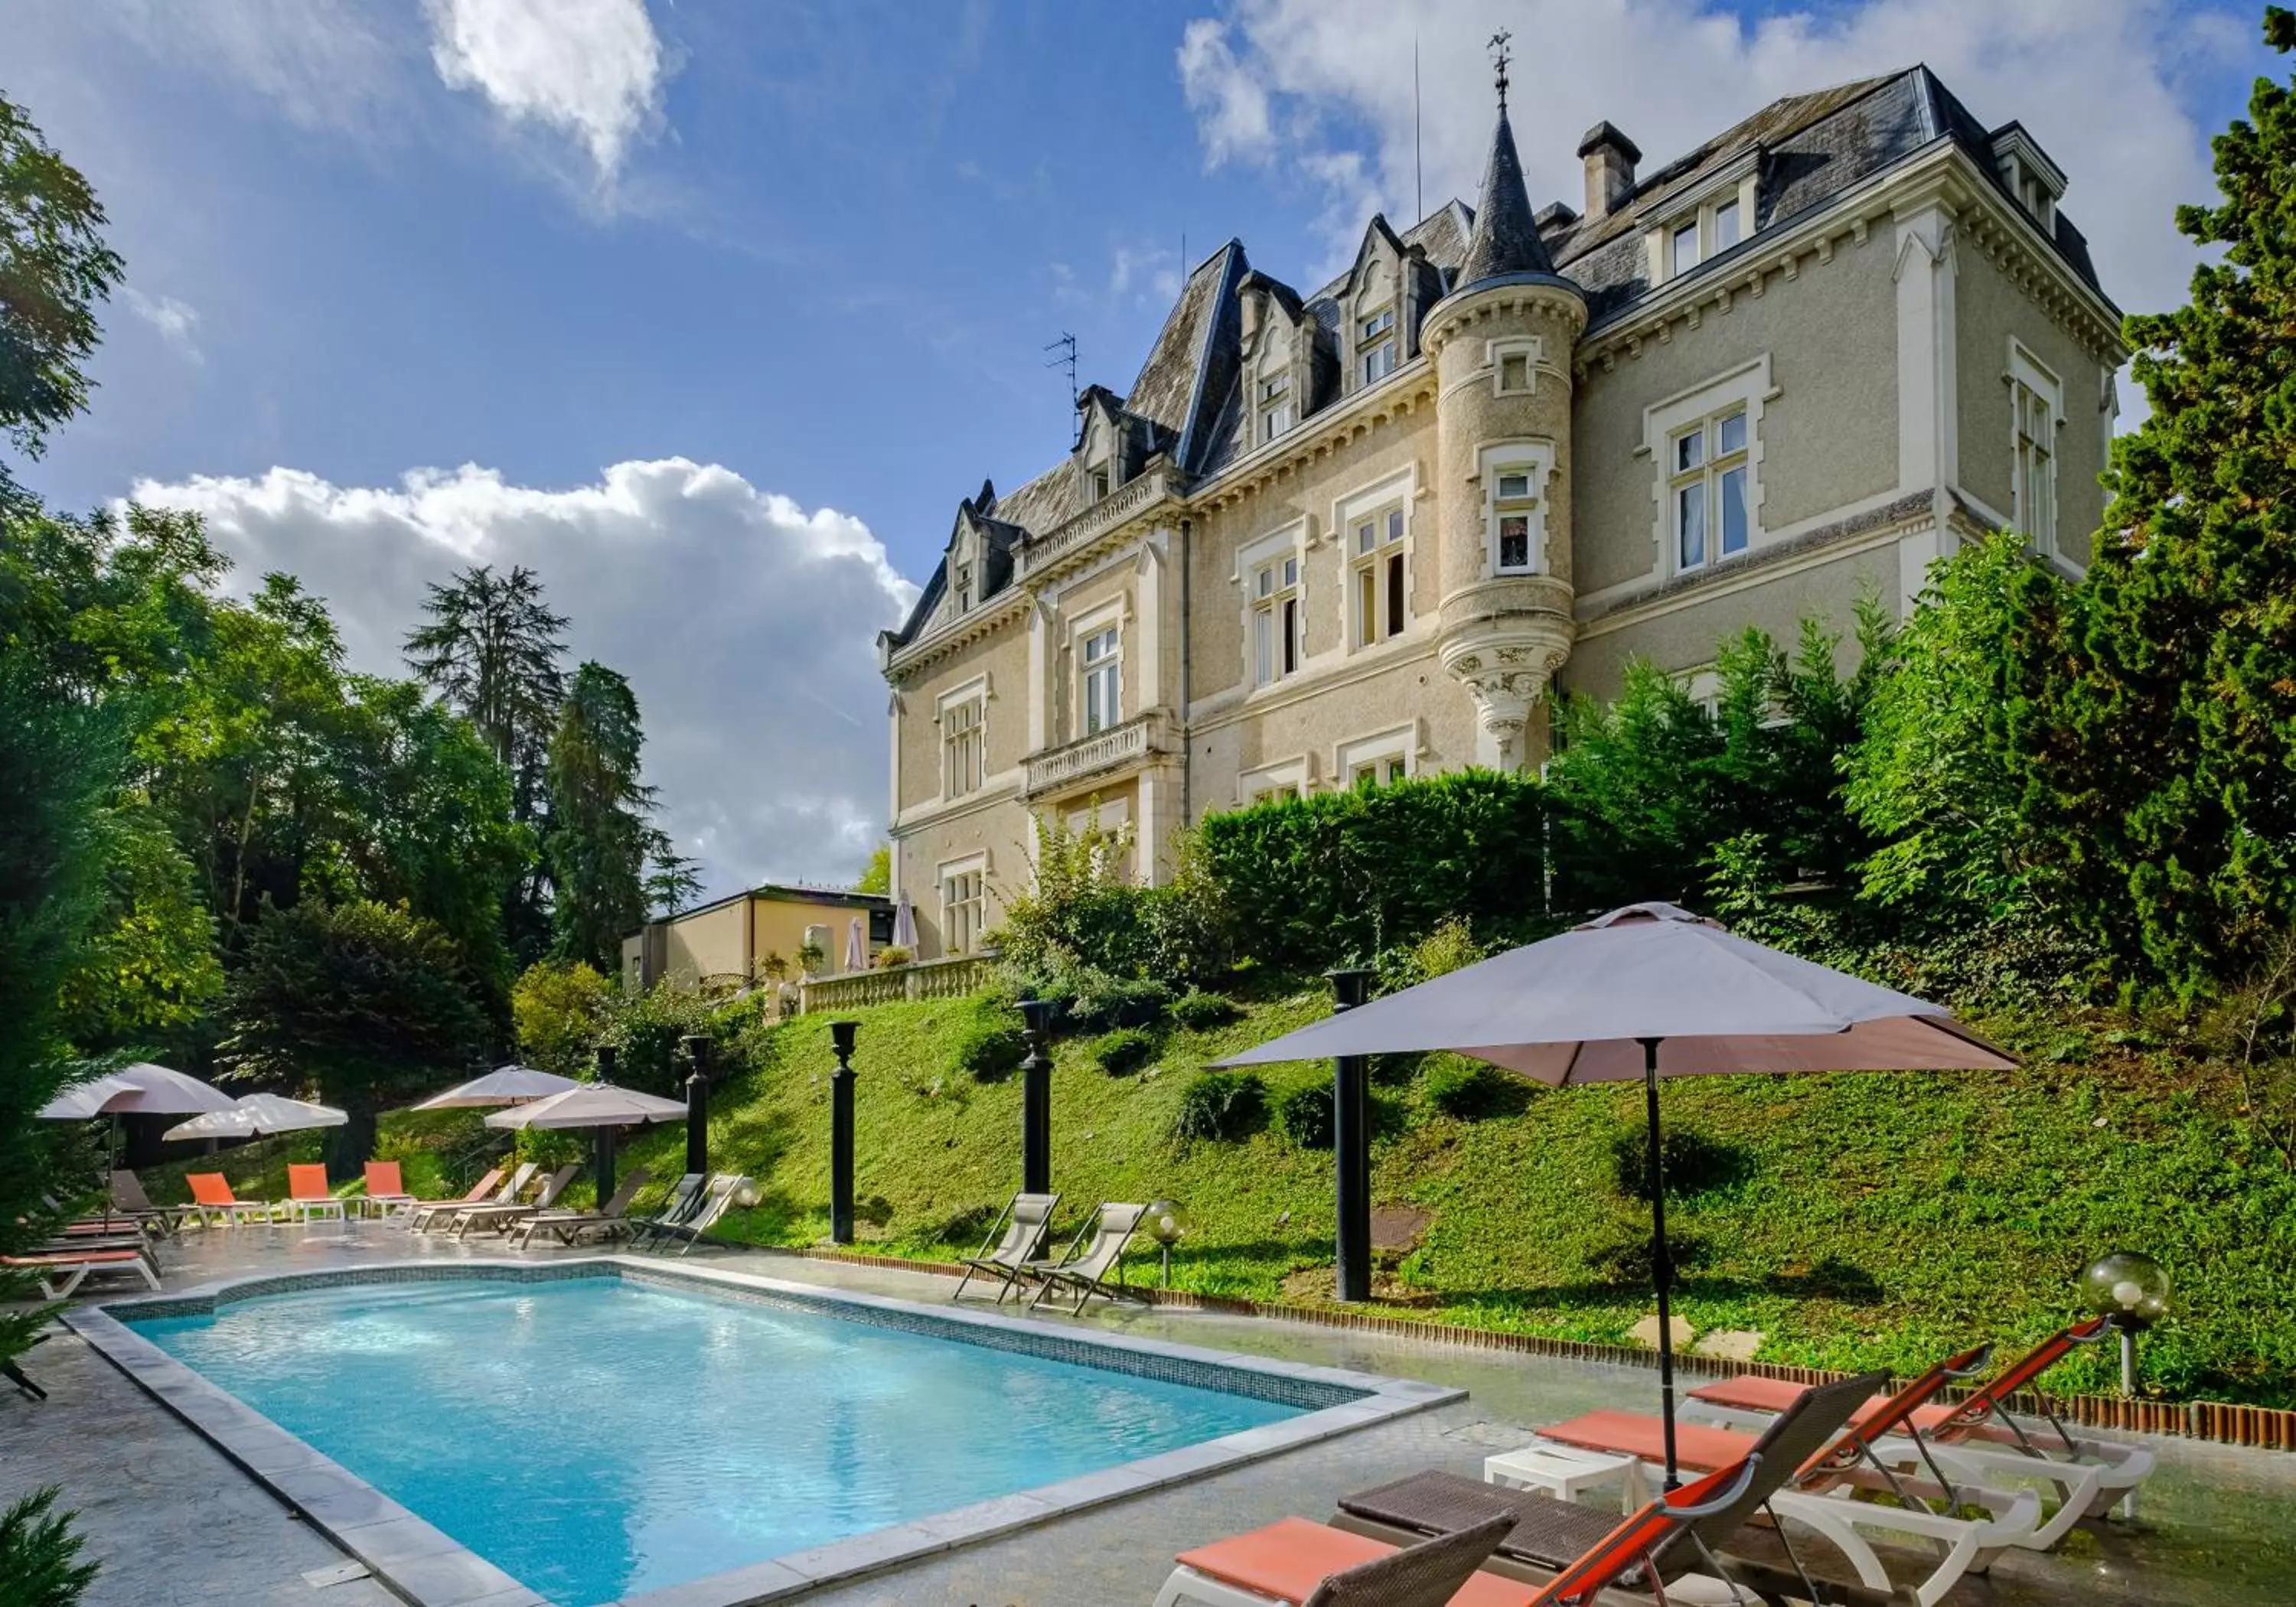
1548,1534
1979,1441
1827,1495
485,1188
61,1272
386,1191
1084,1270
608,1220
498,1215
211,1198
1015,1239
423,1218
128,1199
684,1199
1305,1564
712,1203
308,1194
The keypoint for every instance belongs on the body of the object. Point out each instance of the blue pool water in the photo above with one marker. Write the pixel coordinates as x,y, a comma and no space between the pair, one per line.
597,1438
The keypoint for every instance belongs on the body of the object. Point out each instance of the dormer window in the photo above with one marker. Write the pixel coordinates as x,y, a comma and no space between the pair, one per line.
1703,232
963,589
1276,414
1726,225
1100,485
1375,346
1685,247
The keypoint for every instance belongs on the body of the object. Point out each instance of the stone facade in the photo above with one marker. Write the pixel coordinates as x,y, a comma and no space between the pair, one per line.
1337,538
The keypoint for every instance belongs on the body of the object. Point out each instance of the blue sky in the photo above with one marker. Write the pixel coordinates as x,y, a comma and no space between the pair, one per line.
812,252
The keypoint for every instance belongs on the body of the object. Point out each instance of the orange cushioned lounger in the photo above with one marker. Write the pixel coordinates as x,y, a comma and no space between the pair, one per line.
1288,1559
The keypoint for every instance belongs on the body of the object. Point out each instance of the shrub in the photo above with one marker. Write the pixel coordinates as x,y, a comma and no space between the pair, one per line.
1124,1051
645,1029
988,1045
1200,1011
892,956
1102,1002
39,1554
1305,1115
1468,1089
1694,1163
558,1009
1624,1259
1451,946
1221,1107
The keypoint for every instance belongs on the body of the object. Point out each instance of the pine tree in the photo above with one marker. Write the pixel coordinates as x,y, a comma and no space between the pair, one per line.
2158,715
599,839
492,650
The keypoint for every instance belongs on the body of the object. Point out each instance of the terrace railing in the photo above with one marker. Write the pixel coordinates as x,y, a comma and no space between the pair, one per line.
949,978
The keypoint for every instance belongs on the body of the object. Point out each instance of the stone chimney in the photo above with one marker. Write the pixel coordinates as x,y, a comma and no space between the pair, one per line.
1610,157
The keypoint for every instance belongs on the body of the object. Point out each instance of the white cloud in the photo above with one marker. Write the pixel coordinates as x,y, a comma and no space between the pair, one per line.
746,624
1325,87
325,63
590,69
177,322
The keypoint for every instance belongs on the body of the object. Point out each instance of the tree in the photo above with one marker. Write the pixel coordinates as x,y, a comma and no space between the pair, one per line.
672,881
878,878
598,839
559,1010
368,1000
492,650
53,268
2156,719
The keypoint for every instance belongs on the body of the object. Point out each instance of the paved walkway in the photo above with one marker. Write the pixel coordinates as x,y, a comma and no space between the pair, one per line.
173,1523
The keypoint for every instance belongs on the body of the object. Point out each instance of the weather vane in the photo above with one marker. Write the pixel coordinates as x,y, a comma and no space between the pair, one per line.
1499,57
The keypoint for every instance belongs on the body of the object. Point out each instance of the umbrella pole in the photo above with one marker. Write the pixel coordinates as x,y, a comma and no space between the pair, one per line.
1661,1268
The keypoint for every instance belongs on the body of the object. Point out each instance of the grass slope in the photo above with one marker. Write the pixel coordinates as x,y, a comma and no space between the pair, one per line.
1854,1220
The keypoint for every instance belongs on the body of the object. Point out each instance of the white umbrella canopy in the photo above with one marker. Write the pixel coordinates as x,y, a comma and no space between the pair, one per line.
512,1085
1646,992
140,1089
259,1113
1578,1008
905,925
856,948
591,1106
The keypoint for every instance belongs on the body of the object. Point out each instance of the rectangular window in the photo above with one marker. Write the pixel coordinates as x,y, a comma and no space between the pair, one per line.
1275,621
1726,225
1099,485
1104,681
1380,604
1371,773
1375,344
2034,472
1707,490
964,744
964,909
1514,502
1275,406
1514,373
1686,246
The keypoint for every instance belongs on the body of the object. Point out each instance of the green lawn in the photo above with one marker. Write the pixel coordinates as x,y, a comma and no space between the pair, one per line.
1854,1220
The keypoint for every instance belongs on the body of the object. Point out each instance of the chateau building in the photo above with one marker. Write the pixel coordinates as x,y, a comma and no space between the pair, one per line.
1335,537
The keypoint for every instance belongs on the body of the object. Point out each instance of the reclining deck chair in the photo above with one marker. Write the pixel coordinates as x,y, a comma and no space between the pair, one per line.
1015,1239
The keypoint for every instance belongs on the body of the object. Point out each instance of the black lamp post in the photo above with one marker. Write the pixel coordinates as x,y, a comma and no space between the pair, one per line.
697,1103
1036,1101
840,1133
602,1159
1351,1144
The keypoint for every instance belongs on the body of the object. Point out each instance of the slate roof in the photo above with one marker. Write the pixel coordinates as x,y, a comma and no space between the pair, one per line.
1187,398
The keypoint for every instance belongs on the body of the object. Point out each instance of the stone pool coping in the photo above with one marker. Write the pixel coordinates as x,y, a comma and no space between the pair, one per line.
424,1565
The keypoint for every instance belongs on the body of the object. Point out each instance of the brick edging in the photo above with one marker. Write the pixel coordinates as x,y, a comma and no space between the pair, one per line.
2223,1422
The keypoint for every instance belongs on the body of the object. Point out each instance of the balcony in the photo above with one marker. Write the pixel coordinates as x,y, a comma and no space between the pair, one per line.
1108,753
1067,539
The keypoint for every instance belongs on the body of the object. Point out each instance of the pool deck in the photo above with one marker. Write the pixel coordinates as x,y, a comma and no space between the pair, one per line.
174,1523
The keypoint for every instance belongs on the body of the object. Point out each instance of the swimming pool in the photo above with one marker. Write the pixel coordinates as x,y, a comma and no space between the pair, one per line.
599,1437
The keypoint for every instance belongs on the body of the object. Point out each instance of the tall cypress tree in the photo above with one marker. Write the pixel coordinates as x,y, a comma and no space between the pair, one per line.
2159,724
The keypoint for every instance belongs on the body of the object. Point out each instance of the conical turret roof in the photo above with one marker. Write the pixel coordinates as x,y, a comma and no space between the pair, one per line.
1505,241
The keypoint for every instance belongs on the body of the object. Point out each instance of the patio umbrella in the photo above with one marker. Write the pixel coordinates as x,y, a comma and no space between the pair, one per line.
511,1085
140,1089
1646,992
259,1114
905,924
591,1106
856,948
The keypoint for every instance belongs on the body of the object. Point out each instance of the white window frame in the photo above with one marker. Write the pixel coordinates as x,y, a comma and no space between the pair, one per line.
1700,218
1099,682
958,767
1387,507
1700,464
1746,385
964,887
1534,459
1276,408
1378,760
1383,343
1500,354
1274,551
1294,775
2034,390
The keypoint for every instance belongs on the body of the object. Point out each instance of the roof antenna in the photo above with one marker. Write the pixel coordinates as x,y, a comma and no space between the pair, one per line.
1499,58
1066,346
1418,175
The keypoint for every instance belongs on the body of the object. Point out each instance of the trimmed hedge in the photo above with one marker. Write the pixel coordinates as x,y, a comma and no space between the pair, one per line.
1221,1107
1124,1051
1340,876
